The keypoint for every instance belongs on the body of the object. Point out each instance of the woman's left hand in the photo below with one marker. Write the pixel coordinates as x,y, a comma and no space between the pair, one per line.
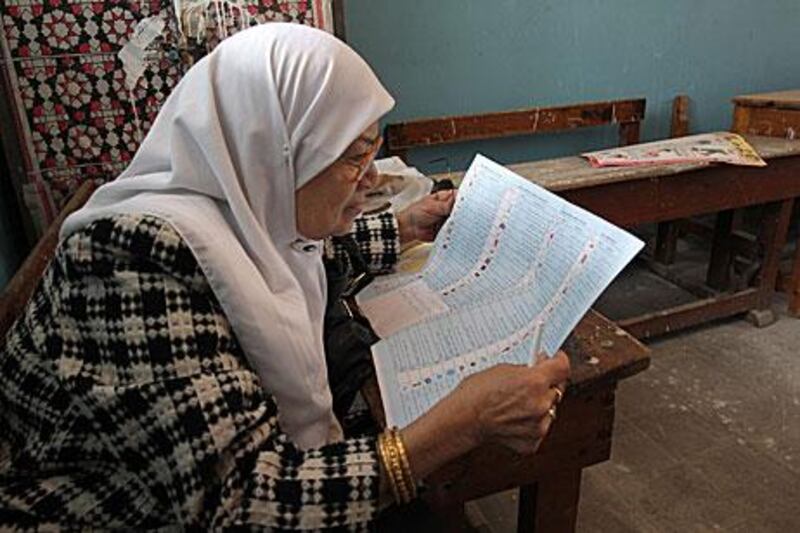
421,220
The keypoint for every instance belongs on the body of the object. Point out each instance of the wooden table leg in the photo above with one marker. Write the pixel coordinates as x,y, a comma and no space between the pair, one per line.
551,504
719,267
666,242
772,237
794,284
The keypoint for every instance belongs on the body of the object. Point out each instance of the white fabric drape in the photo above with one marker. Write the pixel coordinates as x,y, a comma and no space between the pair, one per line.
257,118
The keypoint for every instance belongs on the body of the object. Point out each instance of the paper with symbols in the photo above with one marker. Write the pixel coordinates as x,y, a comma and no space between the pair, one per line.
513,261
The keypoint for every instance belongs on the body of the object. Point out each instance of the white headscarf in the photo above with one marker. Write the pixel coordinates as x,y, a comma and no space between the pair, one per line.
249,124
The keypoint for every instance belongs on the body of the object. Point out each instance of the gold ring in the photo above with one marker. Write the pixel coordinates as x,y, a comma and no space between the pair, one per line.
559,394
552,412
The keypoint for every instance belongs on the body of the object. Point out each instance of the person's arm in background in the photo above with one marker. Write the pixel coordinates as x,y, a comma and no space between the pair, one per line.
380,237
421,220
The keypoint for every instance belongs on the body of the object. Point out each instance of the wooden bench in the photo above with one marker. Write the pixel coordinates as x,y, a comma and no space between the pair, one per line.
601,354
628,114
633,196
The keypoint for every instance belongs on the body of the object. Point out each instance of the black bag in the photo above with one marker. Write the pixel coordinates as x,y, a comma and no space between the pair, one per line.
347,337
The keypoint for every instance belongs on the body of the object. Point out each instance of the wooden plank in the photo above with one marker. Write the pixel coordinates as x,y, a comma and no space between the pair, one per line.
680,116
453,129
784,99
19,290
690,314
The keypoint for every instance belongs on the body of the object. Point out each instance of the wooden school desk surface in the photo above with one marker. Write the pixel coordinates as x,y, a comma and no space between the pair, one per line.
637,195
601,354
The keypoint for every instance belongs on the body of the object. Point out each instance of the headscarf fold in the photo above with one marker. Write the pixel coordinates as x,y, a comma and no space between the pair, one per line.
249,124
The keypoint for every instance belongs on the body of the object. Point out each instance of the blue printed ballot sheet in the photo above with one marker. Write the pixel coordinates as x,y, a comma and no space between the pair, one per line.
514,265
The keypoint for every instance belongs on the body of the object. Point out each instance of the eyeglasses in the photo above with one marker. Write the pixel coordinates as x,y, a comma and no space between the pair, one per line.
363,163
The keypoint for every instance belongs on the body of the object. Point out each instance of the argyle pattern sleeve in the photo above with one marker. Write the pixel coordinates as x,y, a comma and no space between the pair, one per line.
126,402
378,240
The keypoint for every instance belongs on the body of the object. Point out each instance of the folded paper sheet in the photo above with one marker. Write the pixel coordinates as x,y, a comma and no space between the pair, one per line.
512,258
720,147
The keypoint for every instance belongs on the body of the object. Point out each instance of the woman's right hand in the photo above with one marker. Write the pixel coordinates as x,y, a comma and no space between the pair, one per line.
510,403
505,405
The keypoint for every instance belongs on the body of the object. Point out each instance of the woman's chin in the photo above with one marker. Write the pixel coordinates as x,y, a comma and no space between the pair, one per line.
345,224
351,213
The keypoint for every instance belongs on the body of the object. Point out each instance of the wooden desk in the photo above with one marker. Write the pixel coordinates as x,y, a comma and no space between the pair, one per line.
633,196
601,355
774,114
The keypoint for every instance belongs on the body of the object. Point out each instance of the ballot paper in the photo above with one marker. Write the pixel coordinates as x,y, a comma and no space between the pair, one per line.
512,264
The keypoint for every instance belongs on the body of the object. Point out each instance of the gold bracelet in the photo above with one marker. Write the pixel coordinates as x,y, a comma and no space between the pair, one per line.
405,466
387,465
391,463
403,490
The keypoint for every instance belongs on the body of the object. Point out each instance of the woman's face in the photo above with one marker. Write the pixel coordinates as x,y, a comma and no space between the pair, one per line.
328,204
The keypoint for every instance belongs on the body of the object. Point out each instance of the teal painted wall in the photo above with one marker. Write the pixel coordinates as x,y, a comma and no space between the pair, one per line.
442,57
464,56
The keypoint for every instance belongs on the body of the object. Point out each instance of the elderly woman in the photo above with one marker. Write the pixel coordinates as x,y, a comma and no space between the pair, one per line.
169,370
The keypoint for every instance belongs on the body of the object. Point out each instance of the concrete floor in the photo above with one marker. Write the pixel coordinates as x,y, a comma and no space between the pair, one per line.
707,439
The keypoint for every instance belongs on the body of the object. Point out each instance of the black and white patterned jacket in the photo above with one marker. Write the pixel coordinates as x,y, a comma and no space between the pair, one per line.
126,402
